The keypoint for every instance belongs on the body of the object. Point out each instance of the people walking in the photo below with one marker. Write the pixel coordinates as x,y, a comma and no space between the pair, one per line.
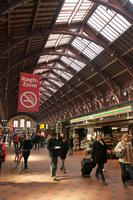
99,157
2,153
54,149
63,152
25,148
126,159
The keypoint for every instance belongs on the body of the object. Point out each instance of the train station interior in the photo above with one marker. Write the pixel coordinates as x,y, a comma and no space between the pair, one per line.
66,71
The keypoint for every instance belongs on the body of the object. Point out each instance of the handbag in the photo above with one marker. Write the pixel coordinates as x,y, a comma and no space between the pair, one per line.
120,154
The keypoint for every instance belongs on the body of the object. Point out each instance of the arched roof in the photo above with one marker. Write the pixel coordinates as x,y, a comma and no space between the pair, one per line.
82,50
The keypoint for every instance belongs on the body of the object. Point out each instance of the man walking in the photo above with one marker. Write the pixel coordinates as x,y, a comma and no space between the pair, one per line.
54,149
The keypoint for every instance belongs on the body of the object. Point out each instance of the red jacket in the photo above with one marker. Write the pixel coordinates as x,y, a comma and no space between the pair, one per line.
3,151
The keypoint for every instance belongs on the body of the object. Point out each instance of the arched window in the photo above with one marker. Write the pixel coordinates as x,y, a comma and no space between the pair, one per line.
22,123
28,124
15,123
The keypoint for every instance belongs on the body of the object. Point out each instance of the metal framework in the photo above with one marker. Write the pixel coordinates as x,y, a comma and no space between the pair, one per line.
84,65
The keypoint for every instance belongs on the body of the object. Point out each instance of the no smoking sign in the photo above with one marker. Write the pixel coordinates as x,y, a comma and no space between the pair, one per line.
28,99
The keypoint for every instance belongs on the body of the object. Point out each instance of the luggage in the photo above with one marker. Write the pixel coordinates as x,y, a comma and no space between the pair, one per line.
86,165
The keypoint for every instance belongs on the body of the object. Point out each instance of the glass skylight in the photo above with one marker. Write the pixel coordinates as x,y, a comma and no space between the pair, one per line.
55,40
47,58
88,48
64,74
75,64
107,22
73,11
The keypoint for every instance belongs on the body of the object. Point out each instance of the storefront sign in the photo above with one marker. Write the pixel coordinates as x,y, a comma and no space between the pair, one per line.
28,93
41,126
100,115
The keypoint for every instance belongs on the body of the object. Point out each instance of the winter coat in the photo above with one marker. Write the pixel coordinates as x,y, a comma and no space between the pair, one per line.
2,152
26,146
99,154
51,144
128,158
64,149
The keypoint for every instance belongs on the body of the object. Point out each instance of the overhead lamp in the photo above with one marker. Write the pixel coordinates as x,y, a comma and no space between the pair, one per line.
113,98
125,93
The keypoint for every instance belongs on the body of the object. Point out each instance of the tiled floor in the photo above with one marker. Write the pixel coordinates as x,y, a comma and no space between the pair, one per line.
37,184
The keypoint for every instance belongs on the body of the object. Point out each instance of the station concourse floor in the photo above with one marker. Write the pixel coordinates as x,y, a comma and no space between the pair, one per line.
37,184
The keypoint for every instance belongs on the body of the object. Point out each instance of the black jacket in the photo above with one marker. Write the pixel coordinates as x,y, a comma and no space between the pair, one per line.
26,146
52,142
64,149
99,154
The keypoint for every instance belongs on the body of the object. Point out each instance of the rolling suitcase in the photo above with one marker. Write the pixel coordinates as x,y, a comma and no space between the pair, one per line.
86,167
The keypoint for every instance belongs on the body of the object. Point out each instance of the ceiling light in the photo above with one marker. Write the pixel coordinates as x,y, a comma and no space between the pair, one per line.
125,93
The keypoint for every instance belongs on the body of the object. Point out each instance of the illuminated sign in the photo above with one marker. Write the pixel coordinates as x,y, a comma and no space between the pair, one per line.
41,126
121,110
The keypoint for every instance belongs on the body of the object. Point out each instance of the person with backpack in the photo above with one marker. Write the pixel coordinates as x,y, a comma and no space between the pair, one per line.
2,153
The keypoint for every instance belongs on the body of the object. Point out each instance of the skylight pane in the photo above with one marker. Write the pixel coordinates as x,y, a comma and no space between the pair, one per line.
76,67
90,49
53,90
75,10
66,76
50,43
57,71
81,64
75,64
42,59
104,20
57,83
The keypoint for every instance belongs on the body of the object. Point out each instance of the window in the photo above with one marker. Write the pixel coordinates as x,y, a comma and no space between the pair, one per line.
88,48
28,124
15,123
22,123
74,11
109,23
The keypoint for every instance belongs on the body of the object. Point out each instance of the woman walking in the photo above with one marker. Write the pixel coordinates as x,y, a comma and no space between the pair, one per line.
125,146
99,157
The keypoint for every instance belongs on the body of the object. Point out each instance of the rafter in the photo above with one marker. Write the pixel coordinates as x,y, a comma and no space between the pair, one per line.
11,6
43,32
32,28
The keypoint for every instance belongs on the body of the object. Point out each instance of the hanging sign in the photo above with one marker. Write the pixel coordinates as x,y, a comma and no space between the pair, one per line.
28,93
41,126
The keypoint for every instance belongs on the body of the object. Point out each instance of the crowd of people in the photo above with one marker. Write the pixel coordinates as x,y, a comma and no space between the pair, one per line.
58,146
